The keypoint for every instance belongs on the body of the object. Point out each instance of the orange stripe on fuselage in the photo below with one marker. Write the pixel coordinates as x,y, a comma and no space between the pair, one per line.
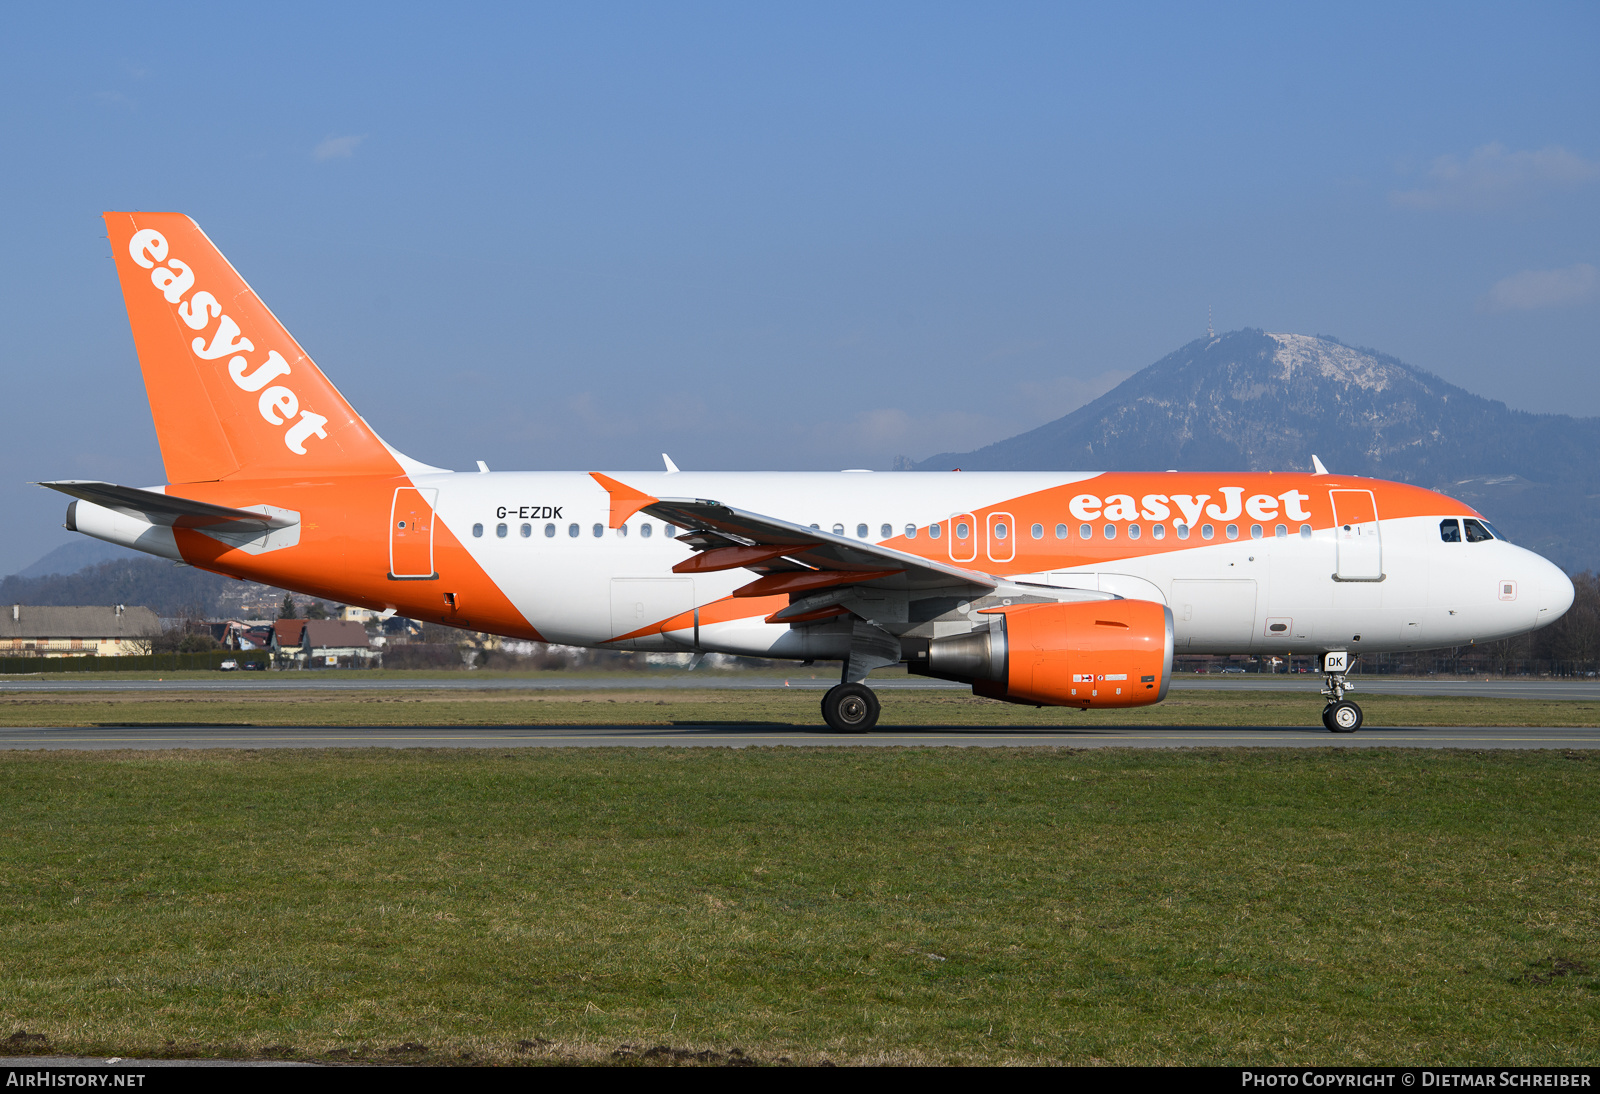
1053,506
343,553
718,611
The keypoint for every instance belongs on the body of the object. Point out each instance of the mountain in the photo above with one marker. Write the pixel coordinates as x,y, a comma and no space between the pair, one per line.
1250,400
155,583
69,558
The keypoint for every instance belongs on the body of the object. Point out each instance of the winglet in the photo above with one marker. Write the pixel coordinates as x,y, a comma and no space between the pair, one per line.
1316,467
672,468
625,500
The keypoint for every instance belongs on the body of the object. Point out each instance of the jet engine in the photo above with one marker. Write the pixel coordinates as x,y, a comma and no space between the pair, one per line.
1095,653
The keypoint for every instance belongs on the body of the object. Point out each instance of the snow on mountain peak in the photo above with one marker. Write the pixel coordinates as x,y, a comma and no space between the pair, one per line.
1330,360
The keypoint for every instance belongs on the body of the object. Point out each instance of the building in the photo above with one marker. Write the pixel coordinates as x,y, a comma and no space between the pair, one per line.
287,636
323,643
27,630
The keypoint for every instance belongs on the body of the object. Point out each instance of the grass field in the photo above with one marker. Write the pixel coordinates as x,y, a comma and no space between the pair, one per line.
776,705
854,905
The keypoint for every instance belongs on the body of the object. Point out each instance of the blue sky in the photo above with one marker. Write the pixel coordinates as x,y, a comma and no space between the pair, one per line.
814,236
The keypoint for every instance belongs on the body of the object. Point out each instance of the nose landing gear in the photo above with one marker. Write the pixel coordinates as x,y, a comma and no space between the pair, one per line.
1340,715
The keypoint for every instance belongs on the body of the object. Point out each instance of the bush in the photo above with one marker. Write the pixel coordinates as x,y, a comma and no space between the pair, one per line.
423,655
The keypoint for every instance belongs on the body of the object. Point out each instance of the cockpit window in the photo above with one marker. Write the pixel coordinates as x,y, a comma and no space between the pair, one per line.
1476,532
1450,530
1495,532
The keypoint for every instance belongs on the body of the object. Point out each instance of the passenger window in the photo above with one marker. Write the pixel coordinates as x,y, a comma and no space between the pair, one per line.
1037,531
646,530
477,531
1085,532
962,531
500,531
1061,531
1305,531
599,530
669,530
1000,531
861,531
1183,531
886,531
1255,531
1207,532
1158,531
527,530
838,529
1133,531
935,531
572,530
911,531
549,531
1281,532
622,531
1232,530
1450,530
1476,533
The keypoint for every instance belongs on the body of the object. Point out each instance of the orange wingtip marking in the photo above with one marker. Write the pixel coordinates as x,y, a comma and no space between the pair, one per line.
810,617
813,579
625,500
728,558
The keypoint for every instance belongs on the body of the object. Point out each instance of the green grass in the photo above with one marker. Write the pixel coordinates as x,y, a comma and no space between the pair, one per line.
857,905
785,706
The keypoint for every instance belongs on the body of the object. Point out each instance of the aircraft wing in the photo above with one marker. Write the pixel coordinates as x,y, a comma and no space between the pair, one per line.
795,558
159,508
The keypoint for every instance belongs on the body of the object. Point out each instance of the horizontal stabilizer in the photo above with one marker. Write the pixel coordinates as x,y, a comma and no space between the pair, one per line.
173,512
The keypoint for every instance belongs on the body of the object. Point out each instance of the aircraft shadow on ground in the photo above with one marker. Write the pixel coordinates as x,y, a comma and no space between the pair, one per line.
775,728
1009,731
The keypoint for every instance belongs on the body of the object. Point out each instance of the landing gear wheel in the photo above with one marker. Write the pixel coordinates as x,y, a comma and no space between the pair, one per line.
1342,717
850,708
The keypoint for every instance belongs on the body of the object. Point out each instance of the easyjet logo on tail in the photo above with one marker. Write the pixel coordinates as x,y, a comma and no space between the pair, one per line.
279,405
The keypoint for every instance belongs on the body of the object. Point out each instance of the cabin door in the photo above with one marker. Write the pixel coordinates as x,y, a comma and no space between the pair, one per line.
411,534
1355,529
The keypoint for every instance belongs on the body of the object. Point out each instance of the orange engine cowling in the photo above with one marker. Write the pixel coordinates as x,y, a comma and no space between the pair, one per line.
1096,653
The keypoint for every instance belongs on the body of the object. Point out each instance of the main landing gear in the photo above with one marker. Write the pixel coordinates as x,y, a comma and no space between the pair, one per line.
850,708
1340,715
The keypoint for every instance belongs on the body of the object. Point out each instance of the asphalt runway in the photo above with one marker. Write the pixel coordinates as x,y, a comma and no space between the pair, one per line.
721,735
1573,689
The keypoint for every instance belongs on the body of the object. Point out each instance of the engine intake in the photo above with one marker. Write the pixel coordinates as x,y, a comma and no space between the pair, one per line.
1096,653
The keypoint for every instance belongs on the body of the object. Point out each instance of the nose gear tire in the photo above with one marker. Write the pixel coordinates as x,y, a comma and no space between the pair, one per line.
1342,717
850,708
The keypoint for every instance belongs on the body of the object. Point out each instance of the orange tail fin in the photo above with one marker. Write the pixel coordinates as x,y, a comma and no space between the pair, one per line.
232,394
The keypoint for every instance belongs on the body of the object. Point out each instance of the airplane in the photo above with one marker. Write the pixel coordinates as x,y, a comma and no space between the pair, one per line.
1040,588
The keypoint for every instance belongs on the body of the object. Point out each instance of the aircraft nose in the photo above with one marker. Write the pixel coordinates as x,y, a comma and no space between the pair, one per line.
1555,592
